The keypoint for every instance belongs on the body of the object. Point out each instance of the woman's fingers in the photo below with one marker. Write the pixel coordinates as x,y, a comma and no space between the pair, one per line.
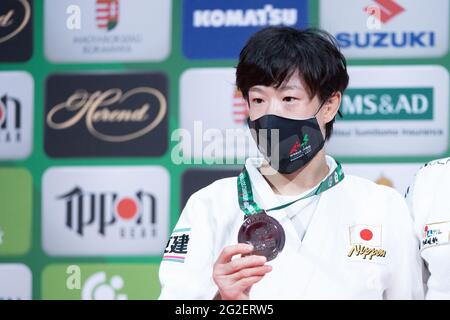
230,251
246,283
242,263
252,272
235,277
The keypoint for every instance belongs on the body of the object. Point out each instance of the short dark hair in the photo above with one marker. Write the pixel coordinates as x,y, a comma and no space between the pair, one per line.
273,54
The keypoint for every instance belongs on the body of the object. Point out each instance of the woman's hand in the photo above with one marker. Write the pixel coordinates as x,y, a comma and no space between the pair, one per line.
234,278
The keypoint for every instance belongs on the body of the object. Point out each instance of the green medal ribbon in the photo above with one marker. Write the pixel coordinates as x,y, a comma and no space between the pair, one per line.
249,206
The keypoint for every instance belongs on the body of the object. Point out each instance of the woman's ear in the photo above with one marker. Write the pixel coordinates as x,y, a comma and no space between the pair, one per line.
331,106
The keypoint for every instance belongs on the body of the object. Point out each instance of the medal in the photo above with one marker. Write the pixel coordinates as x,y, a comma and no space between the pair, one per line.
259,229
265,234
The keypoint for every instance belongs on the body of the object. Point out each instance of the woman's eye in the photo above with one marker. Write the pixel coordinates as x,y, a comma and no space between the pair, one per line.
257,100
289,99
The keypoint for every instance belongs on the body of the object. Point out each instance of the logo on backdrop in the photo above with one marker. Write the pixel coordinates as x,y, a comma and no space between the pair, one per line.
384,10
10,119
98,287
107,14
218,29
16,114
240,109
213,133
114,115
388,28
131,216
105,281
15,30
107,30
105,210
386,102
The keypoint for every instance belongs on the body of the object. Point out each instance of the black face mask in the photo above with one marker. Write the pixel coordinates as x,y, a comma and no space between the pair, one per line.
299,141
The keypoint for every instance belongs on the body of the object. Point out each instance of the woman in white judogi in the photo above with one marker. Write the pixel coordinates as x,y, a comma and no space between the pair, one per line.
429,202
344,237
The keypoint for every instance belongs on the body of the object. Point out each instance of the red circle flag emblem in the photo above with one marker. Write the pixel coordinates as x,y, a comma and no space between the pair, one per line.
127,208
366,234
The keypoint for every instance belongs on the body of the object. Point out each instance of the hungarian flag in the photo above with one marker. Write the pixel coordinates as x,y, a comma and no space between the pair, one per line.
240,111
365,235
107,14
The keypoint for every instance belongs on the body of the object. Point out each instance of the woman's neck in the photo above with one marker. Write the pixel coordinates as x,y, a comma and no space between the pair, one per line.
299,181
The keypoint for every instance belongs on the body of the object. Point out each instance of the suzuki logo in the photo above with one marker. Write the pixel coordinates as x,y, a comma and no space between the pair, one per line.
385,10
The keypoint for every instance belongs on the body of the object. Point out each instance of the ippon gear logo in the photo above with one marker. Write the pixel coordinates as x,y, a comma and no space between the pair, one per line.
10,119
120,210
106,212
16,114
107,14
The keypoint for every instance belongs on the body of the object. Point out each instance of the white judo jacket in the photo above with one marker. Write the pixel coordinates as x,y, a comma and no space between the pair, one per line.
429,200
358,245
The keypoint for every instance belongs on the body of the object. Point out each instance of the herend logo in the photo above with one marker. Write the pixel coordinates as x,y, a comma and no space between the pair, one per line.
110,106
13,21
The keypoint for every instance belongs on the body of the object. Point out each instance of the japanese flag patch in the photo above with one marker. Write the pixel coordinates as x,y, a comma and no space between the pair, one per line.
435,234
177,246
366,244
365,235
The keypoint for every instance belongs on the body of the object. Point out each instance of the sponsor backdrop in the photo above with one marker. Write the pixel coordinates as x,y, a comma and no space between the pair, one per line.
93,171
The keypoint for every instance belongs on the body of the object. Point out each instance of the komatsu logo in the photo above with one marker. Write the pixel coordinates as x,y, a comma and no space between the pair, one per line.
265,16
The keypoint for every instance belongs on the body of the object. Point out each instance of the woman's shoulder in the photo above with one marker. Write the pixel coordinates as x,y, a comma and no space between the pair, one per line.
433,171
370,190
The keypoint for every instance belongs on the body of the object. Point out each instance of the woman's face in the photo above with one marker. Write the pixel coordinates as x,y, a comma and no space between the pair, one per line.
290,100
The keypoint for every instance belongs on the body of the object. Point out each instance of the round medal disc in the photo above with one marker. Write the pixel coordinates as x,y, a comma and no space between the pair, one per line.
265,234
